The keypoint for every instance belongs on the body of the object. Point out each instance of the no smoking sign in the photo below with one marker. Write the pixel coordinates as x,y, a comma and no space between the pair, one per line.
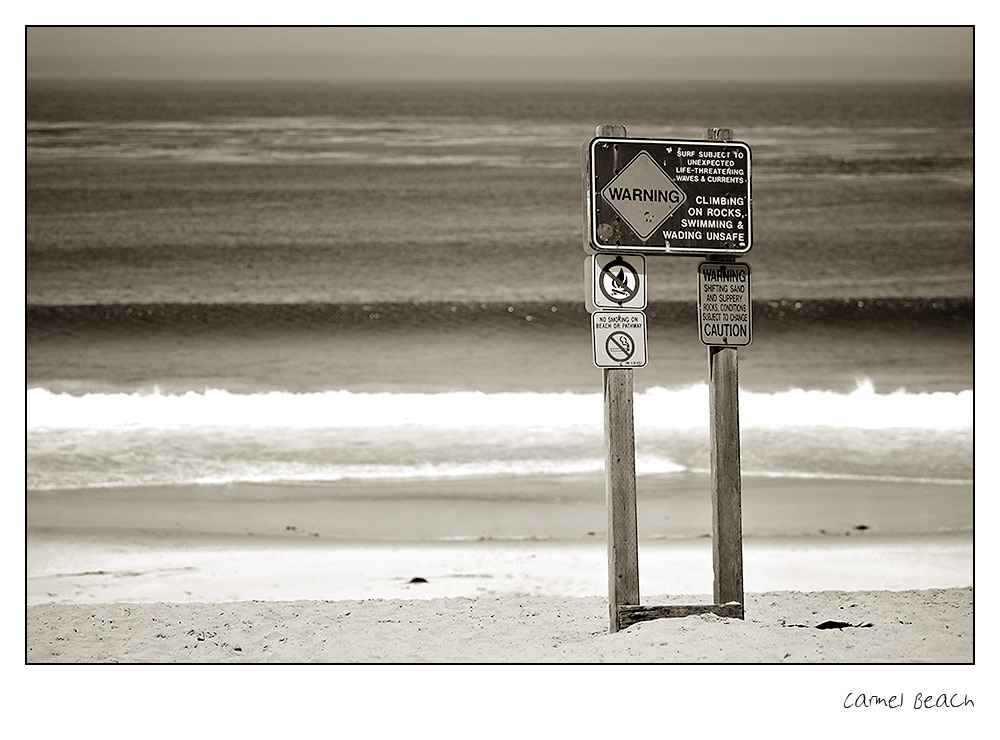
619,338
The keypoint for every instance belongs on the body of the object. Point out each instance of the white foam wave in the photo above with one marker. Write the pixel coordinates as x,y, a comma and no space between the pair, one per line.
856,477
657,408
244,471
428,471
862,408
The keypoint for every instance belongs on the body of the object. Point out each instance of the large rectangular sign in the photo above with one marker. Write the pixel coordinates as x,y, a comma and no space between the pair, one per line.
724,305
669,196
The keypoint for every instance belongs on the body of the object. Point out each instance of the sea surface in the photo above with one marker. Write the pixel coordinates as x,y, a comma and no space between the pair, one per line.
309,283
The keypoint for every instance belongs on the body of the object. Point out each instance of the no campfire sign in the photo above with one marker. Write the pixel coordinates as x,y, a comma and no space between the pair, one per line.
615,281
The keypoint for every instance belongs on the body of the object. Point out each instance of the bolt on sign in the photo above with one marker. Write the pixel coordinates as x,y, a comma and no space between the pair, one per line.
615,281
619,338
724,305
669,196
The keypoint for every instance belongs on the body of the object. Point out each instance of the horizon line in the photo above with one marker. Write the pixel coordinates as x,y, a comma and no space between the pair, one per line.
340,66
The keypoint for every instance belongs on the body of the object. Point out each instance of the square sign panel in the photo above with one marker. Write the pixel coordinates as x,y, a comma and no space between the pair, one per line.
669,196
615,281
619,338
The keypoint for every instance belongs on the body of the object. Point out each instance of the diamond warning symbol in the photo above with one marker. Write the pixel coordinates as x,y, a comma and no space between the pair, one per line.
643,195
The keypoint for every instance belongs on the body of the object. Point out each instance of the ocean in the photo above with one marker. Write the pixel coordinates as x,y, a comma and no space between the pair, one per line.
233,284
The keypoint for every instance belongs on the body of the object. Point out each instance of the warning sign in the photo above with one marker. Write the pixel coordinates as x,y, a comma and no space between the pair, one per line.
615,281
643,194
619,338
669,196
724,305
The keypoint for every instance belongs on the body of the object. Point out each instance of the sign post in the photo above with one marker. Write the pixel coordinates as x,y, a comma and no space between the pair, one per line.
733,324
619,475
619,480
642,197
724,431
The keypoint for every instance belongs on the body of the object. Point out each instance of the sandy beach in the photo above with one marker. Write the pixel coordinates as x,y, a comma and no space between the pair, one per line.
928,626
166,598
168,576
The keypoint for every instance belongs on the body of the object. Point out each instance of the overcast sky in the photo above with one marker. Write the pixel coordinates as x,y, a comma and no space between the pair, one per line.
164,51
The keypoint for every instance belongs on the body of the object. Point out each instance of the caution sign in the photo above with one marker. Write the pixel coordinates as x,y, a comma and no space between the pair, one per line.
724,305
619,338
615,281
668,196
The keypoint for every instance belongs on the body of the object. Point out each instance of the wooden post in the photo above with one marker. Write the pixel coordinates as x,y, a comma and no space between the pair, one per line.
724,425
724,431
619,471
